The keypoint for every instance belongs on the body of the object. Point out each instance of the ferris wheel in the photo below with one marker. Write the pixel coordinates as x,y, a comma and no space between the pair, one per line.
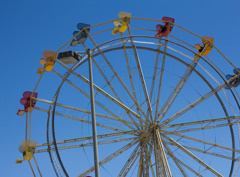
153,101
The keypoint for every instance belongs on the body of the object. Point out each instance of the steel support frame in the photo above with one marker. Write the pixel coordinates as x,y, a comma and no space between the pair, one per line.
94,129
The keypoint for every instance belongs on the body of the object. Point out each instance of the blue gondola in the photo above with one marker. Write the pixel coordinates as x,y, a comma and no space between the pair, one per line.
82,37
235,82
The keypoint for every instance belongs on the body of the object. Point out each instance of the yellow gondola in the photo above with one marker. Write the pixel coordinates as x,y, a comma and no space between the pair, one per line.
48,61
205,40
121,25
27,148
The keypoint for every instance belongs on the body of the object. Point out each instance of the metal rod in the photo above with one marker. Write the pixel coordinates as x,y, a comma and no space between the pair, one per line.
85,94
232,118
31,168
101,91
129,73
110,157
196,158
201,141
161,78
85,144
73,140
163,154
170,153
198,101
118,77
111,87
131,160
141,74
78,119
207,152
89,112
37,166
26,130
94,129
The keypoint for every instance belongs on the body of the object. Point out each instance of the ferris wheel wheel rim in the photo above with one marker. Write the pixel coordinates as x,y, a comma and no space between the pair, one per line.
110,50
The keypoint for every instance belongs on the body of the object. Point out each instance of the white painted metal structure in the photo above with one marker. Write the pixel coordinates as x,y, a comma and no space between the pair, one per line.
164,111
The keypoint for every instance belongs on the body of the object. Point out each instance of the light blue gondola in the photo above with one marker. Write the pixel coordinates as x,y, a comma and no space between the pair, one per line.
82,37
235,82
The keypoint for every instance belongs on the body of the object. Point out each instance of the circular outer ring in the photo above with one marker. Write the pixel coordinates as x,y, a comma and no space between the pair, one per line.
154,50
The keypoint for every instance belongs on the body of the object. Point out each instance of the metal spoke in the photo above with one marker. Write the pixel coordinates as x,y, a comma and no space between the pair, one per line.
186,166
118,77
170,153
196,158
111,87
161,79
201,122
85,94
178,160
179,86
102,92
131,160
87,144
206,152
73,140
163,154
132,107
78,119
155,70
206,127
201,141
109,158
114,92
189,168
195,103
106,79
130,74
88,112
99,104
141,74
161,73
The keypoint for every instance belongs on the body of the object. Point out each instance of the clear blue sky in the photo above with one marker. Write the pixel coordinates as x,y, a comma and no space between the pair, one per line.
28,28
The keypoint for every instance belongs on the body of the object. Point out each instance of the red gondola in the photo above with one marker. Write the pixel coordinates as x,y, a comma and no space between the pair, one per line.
25,101
162,29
